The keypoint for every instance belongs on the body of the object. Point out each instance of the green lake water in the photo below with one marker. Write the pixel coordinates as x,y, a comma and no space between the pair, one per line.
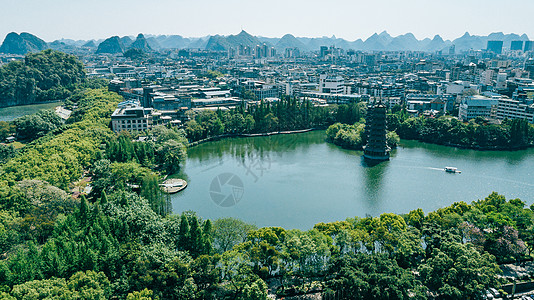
13,112
296,181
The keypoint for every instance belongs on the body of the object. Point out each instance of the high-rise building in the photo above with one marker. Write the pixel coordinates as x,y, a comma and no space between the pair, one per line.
495,46
292,52
529,46
323,52
516,45
529,67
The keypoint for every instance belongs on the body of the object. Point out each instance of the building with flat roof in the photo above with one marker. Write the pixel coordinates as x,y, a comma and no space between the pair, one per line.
332,85
131,118
515,109
336,98
216,102
418,103
478,106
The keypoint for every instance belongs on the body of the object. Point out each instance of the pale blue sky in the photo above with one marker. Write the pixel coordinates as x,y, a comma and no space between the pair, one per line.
349,19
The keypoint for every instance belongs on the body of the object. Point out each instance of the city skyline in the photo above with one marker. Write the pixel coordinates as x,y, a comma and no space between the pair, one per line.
350,20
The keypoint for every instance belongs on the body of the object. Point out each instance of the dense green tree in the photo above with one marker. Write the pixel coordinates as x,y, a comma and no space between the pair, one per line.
151,191
511,134
6,129
6,152
184,234
59,159
458,271
43,289
34,126
374,276
228,232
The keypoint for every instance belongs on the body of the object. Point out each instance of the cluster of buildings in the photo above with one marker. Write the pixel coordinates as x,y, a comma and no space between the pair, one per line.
492,83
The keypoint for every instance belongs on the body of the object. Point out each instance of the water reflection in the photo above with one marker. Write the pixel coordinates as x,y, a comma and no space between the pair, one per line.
301,180
373,174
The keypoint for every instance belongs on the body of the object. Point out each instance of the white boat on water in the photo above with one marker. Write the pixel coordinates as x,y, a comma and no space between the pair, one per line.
452,170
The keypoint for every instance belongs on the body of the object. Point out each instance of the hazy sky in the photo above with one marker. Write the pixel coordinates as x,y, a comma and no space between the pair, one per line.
349,19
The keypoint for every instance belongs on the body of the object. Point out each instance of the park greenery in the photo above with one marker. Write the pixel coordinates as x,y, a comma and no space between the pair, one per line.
354,136
511,134
122,241
284,115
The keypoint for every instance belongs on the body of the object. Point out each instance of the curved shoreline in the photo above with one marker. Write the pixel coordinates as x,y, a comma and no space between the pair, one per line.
244,135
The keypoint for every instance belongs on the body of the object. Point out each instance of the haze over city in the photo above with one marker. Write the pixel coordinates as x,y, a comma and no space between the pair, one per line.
350,20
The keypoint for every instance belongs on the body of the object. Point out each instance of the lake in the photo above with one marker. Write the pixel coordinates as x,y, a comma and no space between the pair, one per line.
13,112
296,181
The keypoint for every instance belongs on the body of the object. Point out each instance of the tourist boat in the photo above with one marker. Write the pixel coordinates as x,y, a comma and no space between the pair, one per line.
452,170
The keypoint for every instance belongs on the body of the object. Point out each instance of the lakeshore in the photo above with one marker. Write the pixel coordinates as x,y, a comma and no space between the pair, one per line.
236,135
11,113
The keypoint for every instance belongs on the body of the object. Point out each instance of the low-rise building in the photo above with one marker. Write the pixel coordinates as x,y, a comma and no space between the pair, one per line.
216,102
478,106
131,118
515,109
335,98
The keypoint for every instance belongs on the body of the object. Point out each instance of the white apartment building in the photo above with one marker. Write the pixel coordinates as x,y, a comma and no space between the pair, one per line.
332,85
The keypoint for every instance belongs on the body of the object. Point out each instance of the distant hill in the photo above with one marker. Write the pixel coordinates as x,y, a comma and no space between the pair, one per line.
126,41
141,43
475,42
268,40
404,42
199,43
153,43
377,41
112,45
90,44
63,47
289,41
436,44
71,42
25,42
172,41
223,43
22,44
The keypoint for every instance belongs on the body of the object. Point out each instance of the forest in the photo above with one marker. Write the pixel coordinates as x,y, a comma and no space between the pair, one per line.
44,76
